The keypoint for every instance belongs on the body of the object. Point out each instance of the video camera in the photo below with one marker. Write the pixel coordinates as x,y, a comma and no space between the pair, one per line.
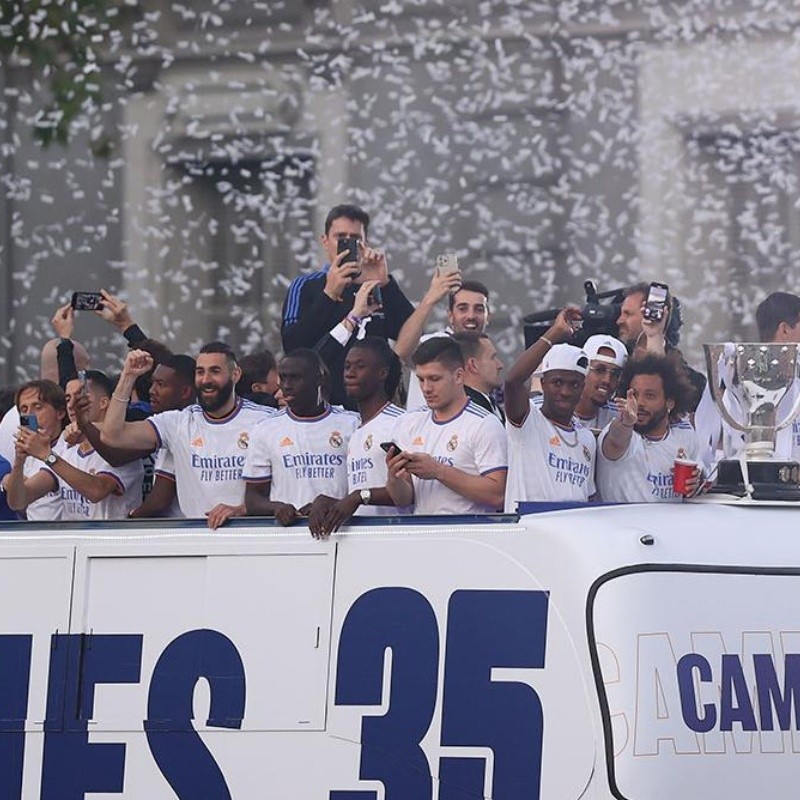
600,313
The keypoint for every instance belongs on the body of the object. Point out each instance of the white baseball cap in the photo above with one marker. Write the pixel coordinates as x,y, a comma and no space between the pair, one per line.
602,341
566,357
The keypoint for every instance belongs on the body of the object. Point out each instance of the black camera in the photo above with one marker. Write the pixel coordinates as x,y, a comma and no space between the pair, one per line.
599,314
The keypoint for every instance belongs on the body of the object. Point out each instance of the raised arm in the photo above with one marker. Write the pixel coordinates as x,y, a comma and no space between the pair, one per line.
411,332
618,439
115,456
517,395
128,435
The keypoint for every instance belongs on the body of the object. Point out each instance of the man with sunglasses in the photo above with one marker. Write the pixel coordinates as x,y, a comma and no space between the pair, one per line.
607,357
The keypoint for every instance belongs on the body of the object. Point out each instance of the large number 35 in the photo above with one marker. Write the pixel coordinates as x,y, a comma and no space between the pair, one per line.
485,630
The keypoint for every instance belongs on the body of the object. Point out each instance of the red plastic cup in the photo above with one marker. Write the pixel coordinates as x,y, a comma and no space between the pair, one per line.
683,472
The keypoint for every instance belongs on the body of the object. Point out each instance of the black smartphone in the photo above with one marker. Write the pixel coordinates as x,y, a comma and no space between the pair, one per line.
349,244
387,447
87,301
376,297
656,304
29,421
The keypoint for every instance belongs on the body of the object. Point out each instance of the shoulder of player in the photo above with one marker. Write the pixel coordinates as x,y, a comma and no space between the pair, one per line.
392,411
682,427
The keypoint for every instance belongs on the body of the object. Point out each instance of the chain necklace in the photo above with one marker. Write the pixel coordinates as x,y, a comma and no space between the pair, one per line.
561,431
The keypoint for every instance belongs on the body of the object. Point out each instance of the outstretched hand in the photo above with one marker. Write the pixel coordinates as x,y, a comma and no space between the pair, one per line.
628,409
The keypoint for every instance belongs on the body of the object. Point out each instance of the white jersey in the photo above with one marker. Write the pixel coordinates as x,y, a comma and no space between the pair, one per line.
548,463
208,454
644,473
302,457
48,507
415,398
164,466
128,479
605,414
472,441
366,462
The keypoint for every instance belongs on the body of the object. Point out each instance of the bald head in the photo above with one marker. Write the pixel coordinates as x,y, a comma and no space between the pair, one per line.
49,361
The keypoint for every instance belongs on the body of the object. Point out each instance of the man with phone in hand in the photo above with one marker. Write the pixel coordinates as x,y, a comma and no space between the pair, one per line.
318,302
550,458
372,372
468,312
43,401
89,487
452,457
645,332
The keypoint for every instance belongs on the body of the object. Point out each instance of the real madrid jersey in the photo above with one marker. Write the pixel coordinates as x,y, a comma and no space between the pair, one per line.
208,454
472,441
128,479
302,456
605,414
546,462
644,473
49,506
366,462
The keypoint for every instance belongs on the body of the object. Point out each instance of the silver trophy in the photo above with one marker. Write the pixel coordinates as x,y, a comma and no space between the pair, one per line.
757,378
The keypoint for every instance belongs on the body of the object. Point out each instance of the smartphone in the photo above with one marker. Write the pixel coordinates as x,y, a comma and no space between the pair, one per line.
29,421
388,447
87,301
375,297
82,377
349,244
447,263
656,304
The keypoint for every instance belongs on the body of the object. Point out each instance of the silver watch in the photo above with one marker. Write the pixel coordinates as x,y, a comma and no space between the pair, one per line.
51,459
366,497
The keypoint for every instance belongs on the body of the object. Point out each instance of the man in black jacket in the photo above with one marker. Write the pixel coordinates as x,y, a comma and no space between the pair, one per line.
318,302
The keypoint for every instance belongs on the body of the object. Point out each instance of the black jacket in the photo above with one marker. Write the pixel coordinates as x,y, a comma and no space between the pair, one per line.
309,315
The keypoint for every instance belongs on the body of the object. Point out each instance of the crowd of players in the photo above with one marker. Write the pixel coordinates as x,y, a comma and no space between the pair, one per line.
329,432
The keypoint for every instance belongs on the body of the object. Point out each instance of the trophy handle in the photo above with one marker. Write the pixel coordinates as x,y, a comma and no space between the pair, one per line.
714,353
795,409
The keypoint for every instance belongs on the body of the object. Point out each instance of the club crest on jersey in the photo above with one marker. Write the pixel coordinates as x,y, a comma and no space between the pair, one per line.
586,454
453,443
336,439
244,440
368,442
681,453
286,442
198,442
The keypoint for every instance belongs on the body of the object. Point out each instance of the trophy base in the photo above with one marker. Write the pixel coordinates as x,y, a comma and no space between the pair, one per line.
771,480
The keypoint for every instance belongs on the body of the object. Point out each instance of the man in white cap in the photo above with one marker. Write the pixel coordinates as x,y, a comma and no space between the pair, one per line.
607,357
549,457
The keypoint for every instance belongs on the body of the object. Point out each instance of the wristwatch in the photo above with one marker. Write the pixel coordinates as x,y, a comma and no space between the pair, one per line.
51,459
366,497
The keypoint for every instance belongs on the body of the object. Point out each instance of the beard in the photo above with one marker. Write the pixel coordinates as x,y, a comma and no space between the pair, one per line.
655,420
217,401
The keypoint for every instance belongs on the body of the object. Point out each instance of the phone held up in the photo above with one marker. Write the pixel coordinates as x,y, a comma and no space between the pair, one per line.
87,301
349,244
391,448
447,263
656,304
29,421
